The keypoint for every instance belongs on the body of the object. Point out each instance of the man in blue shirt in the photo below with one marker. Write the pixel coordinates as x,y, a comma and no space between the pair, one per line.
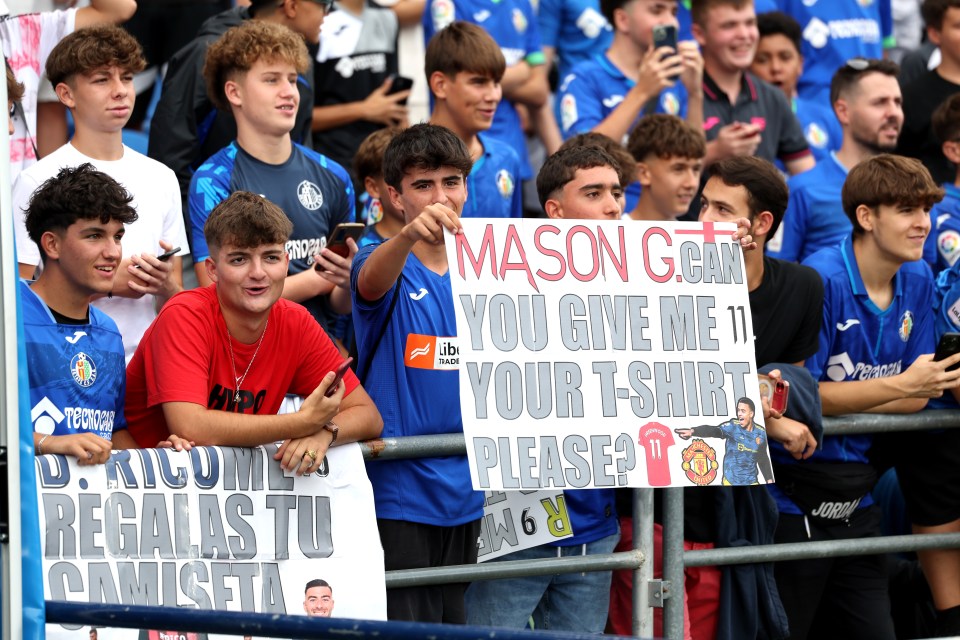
866,99
610,92
513,25
427,511
876,344
315,192
464,67
779,62
74,351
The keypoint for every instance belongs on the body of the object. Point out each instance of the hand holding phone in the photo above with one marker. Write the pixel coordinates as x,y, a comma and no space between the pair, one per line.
665,35
776,392
166,255
949,344
399,84
338,377
337,241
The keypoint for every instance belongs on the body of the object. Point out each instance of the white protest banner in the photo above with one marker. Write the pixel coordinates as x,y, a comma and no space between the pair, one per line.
215,528
516,520
588,350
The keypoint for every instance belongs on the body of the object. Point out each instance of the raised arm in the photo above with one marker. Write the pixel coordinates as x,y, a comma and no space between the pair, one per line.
105,11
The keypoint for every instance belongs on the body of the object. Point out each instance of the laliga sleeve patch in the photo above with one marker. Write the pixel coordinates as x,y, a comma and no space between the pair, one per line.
948,245
442,12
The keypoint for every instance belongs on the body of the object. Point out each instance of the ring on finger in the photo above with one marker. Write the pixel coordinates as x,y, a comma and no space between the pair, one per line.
312,454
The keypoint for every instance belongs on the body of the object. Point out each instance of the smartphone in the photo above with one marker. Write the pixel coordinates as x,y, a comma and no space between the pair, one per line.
777,393
400,83
949,344
337,240
665,35
163,257
341,370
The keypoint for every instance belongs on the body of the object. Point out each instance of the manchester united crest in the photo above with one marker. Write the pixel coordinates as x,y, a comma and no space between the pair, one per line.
700,463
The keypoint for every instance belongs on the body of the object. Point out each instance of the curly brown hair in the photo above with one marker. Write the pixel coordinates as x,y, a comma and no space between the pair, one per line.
86,50
76,193
241,47
665,136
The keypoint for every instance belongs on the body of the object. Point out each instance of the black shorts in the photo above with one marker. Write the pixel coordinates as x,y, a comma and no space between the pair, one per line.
411,545
928,468
835,598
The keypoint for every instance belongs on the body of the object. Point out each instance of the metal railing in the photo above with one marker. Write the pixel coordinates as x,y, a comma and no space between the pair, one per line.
644,597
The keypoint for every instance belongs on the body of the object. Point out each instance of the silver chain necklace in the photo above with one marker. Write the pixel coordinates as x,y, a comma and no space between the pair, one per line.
233,363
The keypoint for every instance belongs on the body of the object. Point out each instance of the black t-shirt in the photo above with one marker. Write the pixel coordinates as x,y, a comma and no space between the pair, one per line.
786,309
920,99
357,54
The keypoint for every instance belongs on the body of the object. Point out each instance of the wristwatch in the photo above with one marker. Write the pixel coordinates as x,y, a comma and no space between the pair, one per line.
333,428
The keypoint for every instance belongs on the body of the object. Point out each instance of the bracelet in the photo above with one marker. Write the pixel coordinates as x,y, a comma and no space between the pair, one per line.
333,428
40,444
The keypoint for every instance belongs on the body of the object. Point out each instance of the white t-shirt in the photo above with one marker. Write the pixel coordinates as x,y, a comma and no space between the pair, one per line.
27,41
156,197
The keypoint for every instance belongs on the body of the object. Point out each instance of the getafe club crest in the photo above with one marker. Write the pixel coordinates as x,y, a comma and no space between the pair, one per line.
505,183
83,369
700,463
310,195
906,325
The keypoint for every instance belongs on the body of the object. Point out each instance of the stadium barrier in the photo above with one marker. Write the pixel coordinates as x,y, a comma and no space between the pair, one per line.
657,593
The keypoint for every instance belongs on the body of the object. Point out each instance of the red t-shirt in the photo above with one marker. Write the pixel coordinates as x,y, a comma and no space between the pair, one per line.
185,357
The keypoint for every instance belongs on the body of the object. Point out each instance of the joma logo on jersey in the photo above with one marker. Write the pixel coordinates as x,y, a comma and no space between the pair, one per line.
840,367
431,352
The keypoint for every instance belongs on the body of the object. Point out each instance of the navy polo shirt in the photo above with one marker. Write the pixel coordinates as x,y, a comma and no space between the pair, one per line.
758,103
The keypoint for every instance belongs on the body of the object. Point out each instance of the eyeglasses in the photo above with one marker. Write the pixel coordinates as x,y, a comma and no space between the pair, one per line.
326,4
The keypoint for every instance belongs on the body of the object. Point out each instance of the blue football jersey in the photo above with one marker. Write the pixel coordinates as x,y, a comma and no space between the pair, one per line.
315,192
820,127
493,186
593,89
77,371
834,32
414,382
575,29
814,218
859,341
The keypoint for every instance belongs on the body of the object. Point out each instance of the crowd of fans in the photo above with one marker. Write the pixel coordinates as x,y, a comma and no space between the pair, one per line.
279,121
